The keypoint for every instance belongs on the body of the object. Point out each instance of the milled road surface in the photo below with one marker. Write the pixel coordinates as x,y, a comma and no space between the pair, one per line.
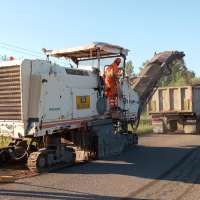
160,167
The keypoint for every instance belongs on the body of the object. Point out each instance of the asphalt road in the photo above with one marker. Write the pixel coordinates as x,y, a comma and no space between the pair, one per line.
160,167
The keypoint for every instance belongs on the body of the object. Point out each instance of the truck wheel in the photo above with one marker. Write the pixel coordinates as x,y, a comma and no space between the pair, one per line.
173,126
165,131
193,133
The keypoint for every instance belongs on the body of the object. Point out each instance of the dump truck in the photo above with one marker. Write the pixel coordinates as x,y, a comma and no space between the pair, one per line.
65,111
175,108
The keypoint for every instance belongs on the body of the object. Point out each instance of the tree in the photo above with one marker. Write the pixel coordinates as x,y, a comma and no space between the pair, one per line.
192,74
55,64
177,77
178,80
195,81
143,65
129,68
4,58
174,70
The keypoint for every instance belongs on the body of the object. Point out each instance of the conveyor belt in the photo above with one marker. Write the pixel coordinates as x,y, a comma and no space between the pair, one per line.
153,74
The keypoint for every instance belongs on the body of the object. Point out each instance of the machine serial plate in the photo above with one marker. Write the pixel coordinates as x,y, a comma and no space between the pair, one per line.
82,102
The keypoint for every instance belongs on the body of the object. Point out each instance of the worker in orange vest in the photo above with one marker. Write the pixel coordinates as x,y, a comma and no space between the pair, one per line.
111,90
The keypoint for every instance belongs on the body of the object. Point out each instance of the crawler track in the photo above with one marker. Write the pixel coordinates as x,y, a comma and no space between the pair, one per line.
34,159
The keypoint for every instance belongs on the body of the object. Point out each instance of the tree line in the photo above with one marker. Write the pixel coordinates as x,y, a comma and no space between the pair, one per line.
4,58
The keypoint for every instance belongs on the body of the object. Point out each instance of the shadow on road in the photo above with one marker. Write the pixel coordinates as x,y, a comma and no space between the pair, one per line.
66,194
161,163
156,163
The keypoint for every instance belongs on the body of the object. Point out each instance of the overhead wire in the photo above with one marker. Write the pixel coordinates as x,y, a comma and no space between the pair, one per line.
19,51
33,55
29,53
20,48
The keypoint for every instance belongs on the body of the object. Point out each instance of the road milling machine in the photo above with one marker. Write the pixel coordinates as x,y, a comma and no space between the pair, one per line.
65,112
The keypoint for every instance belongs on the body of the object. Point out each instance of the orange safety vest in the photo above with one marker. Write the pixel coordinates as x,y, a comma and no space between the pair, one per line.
109,83
109,71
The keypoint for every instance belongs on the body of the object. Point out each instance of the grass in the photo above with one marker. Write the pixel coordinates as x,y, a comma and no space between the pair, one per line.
4,141
145,118
144,129
145,125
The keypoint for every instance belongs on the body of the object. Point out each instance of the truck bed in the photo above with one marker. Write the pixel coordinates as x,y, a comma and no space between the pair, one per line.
174,100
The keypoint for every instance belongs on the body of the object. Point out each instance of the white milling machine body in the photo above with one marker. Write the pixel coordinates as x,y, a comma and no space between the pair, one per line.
65,110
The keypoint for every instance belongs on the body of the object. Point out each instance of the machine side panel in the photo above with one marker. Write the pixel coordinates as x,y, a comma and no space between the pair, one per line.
52,98
128,100
77,81
83,103
65,102
35,94
25,86
108,143
62,102
40,66
61,105
42,104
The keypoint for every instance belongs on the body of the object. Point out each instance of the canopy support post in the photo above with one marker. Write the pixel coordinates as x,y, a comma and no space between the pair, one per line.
124,64
98,57
98,71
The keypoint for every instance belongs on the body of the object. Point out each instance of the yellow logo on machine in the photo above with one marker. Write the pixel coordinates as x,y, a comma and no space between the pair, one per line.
82,102
100,143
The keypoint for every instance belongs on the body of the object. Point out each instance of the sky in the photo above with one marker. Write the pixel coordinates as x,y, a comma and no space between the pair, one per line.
143,26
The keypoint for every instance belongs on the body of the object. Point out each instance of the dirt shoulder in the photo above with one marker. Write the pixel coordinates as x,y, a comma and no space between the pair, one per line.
18,170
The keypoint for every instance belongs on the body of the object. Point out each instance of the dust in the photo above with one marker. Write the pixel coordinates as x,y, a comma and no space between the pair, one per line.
185,72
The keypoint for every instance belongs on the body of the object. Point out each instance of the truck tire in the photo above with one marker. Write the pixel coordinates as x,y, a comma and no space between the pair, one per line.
164,132
159,127
173,126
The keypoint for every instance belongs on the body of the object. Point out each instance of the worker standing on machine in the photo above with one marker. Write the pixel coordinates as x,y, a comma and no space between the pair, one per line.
112,90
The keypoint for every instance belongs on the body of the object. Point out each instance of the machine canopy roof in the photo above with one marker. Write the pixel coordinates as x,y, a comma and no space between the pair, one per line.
88,51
